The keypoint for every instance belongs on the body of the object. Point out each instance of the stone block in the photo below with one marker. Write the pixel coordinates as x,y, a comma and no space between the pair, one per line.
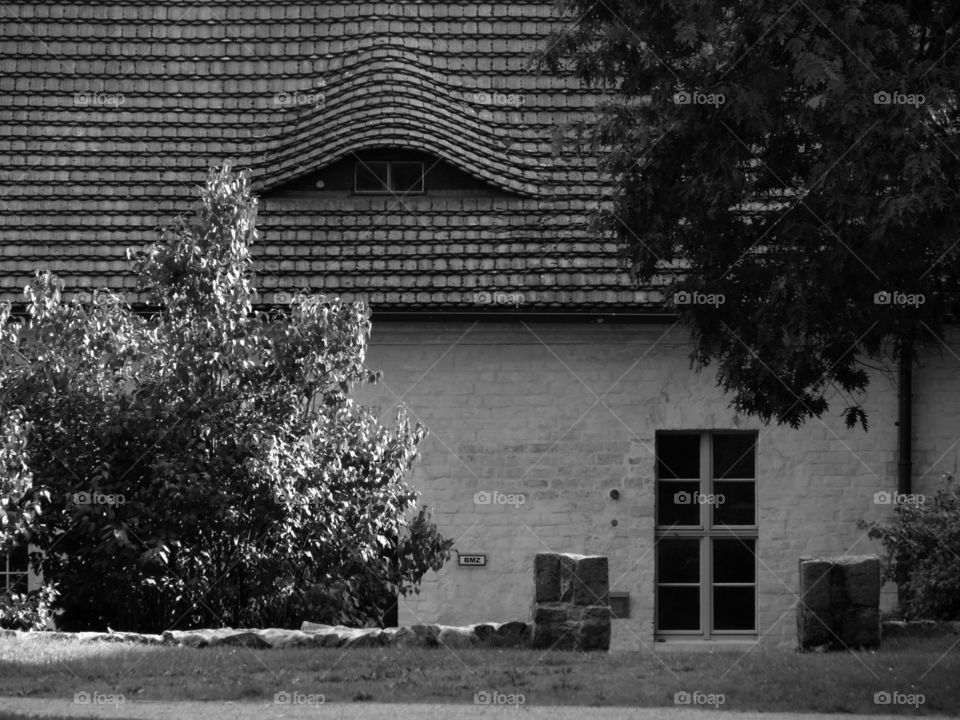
546,577
814,628
550,613
860,628
861,580
555,636
815,583
591,583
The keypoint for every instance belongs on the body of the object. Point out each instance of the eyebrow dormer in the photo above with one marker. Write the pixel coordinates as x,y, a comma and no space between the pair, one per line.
387,171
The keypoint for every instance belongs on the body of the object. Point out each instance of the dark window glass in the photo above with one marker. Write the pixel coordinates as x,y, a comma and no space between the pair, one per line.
371,176
734,455
407,176
19,560
678,561
734,560
734,608
678,456
678,608
677,503
738,506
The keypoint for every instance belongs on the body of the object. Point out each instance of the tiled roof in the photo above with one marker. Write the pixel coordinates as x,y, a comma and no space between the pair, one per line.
113,112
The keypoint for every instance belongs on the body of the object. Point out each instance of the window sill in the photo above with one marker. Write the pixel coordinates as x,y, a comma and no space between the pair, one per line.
722,644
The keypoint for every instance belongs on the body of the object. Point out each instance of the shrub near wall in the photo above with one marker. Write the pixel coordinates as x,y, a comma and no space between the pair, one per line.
204,465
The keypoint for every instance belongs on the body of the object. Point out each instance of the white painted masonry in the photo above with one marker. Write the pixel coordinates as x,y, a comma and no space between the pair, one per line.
565,412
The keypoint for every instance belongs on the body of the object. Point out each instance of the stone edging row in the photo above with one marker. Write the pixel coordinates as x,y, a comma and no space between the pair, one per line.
509,634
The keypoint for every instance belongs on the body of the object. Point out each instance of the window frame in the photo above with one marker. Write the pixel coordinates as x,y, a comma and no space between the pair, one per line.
9,576
360,164
705,531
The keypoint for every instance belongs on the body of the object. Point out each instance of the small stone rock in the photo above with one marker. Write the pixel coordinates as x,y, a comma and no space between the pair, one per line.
457,637
512,634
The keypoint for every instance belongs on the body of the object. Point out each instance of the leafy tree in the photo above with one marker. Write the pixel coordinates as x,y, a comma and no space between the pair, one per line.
796,166
203,463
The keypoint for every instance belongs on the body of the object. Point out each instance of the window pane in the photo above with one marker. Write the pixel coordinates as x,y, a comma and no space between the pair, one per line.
407,176
678,456
19,558
734,455
734,560
678,561
734,608
371,176
677,503
678,608
738,506
16,582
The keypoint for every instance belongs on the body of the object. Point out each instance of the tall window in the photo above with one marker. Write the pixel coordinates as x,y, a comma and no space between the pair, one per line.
377,177
14,570
706,534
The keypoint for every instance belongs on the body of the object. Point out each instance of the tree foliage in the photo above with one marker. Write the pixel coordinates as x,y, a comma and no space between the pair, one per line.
794,165
203,463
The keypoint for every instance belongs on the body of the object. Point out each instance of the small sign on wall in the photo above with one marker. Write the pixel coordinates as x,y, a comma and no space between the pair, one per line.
471,560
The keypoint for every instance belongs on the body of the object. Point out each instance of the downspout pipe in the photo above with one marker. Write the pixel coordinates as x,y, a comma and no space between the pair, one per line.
905,419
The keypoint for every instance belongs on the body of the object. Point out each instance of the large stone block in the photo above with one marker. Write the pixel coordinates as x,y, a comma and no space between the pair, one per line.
861,580
839,602
591,584
815,583
814,628
593,630
860,627
546,577
550,613
555,636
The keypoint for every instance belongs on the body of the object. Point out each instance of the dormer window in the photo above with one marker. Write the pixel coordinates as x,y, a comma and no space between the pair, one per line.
388,177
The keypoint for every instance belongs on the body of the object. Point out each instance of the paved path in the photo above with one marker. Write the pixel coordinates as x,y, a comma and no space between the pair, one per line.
41,707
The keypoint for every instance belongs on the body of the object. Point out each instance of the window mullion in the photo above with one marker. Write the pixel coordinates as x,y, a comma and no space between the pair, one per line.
706,556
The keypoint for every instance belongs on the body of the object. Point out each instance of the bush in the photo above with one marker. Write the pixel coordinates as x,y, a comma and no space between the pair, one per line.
27,611
202,463
923,556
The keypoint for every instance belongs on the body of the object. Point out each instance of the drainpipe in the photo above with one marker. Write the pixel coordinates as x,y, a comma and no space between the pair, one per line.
905,418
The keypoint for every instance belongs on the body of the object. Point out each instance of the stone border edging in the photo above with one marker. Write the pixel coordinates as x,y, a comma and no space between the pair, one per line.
515,634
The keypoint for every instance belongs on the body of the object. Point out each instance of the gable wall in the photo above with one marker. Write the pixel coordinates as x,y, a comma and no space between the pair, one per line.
566,412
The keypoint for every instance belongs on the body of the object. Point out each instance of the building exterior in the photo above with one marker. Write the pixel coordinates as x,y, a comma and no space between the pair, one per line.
403,153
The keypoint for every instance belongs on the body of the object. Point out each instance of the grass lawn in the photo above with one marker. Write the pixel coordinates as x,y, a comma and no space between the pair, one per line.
763,679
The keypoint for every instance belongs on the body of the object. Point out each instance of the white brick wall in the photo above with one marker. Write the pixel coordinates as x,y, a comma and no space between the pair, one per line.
567,412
